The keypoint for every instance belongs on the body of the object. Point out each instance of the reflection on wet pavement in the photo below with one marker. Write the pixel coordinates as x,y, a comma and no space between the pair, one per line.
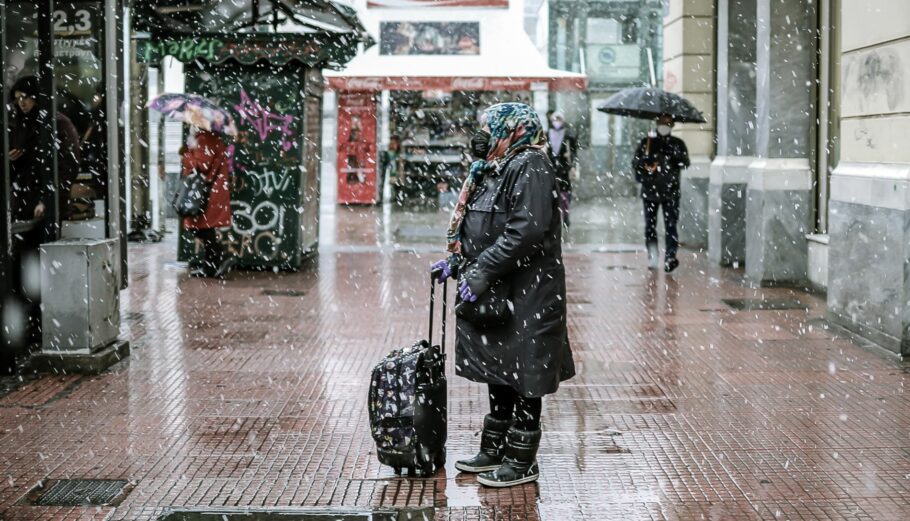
251,393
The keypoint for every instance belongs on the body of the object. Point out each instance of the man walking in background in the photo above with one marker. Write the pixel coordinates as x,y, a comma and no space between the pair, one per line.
657,165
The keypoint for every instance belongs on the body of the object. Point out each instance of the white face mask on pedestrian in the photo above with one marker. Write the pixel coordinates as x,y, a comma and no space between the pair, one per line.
664,130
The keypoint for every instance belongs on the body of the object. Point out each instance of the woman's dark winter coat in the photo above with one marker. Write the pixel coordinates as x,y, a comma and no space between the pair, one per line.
671,156
27,188
512,229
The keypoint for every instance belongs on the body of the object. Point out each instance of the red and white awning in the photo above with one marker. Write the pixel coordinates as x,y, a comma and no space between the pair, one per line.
453,83
507,61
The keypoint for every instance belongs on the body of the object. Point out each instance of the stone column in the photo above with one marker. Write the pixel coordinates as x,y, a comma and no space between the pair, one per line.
735,131
140,198
689,71
779,197
869,212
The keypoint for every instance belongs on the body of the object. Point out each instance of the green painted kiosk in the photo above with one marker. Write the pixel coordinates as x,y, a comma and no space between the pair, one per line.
272,84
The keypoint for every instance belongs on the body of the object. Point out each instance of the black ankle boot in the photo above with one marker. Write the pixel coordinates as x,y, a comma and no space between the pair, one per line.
519,464
492,441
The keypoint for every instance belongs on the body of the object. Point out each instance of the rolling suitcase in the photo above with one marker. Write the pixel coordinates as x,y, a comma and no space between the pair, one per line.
408,404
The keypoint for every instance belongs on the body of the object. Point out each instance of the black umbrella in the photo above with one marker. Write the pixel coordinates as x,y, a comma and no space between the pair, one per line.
649,103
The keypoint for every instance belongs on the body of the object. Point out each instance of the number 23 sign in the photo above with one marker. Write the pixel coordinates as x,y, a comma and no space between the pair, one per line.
75,19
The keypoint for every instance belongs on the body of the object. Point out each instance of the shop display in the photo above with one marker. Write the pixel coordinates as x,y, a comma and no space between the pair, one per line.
435,128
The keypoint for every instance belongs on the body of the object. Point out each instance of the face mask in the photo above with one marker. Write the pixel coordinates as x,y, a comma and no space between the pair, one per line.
556,124
663,130
480,144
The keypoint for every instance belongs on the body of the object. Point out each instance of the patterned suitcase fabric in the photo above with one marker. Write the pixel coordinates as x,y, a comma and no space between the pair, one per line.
393,397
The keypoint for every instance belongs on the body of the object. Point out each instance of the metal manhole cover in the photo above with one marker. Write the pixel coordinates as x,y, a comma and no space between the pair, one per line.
764,304
283,293
79,492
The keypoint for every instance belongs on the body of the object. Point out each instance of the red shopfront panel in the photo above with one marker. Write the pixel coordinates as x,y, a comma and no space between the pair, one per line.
356,162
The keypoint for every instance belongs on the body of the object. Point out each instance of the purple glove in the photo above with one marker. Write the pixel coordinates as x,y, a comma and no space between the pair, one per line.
442,270
466,294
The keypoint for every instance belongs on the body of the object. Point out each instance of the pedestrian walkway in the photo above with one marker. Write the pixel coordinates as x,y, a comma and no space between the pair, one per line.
688,404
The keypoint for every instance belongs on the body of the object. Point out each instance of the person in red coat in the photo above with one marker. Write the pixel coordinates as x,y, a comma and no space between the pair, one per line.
207,154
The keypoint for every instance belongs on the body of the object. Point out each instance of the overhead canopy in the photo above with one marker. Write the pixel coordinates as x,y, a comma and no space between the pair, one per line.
507,61
313,50
229,16
318,33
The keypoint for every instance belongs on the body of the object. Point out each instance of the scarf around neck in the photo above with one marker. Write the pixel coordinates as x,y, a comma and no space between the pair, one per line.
513,128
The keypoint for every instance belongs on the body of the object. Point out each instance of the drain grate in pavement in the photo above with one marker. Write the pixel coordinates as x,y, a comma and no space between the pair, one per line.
253,514
764,304
79,492
619,267
284,293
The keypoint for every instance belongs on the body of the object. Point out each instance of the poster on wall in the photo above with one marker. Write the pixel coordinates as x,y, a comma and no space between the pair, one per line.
411,4
421,38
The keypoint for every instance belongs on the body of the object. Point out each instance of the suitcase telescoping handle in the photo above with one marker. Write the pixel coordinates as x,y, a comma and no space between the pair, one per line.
445,287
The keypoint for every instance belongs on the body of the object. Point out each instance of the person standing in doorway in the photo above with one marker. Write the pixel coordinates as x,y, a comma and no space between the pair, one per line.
657,164
30,196
207,154
563,154
389,164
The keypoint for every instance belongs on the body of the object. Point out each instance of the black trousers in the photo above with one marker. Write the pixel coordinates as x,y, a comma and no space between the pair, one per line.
212,251
506,404
671,216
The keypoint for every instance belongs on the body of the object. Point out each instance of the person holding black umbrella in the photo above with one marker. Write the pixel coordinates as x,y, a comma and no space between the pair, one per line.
657,164
658,160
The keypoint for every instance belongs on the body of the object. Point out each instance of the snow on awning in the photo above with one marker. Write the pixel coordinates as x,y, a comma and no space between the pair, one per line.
507,61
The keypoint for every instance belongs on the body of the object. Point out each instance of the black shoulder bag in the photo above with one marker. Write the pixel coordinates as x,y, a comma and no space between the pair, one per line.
192,195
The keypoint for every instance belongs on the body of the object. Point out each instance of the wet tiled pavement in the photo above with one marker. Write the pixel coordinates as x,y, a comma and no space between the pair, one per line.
683,408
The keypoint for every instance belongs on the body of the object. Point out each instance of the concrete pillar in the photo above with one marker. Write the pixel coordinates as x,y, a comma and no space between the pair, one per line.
736,55
689,71
869,216
140,198
779,196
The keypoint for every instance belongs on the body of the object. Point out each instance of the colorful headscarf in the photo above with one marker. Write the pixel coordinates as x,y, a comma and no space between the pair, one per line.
513,127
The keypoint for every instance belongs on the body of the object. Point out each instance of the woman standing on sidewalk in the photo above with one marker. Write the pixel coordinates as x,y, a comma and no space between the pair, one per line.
505,236
207,154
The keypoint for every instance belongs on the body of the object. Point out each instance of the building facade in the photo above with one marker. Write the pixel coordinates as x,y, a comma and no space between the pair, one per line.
616,44
808,182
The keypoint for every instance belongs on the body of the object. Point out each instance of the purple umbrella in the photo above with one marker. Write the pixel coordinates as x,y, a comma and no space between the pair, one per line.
195,110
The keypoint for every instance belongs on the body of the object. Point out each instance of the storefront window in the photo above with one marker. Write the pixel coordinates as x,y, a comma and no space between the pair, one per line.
80,119
612,51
